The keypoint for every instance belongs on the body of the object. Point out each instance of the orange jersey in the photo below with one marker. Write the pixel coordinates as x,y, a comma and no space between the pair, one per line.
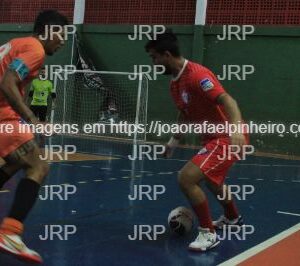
25,56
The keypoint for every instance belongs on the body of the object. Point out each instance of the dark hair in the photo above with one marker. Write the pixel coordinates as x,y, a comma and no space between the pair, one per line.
166,41
48,17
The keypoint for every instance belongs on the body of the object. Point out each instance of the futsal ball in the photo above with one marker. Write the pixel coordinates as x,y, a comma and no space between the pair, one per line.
180,220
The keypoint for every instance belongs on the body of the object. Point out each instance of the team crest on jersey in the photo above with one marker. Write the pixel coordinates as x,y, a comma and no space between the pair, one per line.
206,84
185,97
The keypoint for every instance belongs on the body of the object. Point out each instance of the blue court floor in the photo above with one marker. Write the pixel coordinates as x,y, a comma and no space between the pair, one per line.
104,216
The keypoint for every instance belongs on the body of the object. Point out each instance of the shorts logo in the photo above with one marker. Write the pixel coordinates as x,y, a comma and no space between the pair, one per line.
203,151
206,84
185,97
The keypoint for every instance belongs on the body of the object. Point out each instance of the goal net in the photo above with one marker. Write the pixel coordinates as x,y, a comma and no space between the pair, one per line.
102,104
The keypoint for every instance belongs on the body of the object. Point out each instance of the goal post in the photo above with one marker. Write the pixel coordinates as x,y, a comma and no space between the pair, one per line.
110,105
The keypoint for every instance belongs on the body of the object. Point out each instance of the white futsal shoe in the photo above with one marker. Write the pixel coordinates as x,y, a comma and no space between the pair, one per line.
205,240
224,222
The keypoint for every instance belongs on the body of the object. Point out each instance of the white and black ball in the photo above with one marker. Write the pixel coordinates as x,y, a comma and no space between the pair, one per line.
180,220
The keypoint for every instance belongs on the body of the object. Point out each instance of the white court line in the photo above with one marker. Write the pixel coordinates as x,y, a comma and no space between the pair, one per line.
253,164
260,247
98,180
4,191
81,182
296,181
180,160
288,213
285,165
85,166
66,164
165,173
278,180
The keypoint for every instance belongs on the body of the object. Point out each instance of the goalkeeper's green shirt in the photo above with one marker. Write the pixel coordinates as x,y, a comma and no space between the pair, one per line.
41,90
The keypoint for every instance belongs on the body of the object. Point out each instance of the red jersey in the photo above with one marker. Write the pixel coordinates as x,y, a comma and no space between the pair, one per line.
25,56
195,91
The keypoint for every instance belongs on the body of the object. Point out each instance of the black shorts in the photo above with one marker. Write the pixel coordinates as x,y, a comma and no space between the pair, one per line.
39,111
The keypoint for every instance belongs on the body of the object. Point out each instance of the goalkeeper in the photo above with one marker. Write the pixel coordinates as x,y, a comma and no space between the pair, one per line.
40,90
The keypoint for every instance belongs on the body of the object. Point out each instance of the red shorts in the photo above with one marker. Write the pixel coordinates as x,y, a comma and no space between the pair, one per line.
214,159
12,137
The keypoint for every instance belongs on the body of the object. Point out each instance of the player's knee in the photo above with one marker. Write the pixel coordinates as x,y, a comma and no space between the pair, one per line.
215,188
189,177
185,180
43,169
39,171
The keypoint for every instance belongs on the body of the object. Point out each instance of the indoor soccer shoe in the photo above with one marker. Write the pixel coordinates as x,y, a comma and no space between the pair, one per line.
224,222
205,240
14,245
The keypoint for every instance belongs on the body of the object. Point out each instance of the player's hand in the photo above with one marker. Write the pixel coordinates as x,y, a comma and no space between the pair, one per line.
170,147
237,139
168,151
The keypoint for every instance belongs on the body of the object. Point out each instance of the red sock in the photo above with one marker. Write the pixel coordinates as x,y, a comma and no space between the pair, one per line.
230,210
203,214
11,226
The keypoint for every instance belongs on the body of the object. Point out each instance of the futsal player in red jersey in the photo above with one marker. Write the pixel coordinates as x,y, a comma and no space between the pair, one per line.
20,62
200,98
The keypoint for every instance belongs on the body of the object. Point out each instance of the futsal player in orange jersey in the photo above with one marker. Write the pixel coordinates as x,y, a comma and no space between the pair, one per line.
20,62
200,98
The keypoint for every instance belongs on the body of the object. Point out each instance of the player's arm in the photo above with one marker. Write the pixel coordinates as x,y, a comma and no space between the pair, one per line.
234,116
174,140
9,88
29,58
213,90
180,120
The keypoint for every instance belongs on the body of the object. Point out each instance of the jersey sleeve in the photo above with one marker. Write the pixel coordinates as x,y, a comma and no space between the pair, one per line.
27,61
208,85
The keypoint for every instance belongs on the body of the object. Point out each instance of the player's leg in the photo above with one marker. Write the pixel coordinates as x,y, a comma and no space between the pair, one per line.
231,214
25,197
7,171
221,162
34,109
189,179
43,113
9,143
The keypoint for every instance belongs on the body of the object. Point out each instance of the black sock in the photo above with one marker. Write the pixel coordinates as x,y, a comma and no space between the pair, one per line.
4,177
25,197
